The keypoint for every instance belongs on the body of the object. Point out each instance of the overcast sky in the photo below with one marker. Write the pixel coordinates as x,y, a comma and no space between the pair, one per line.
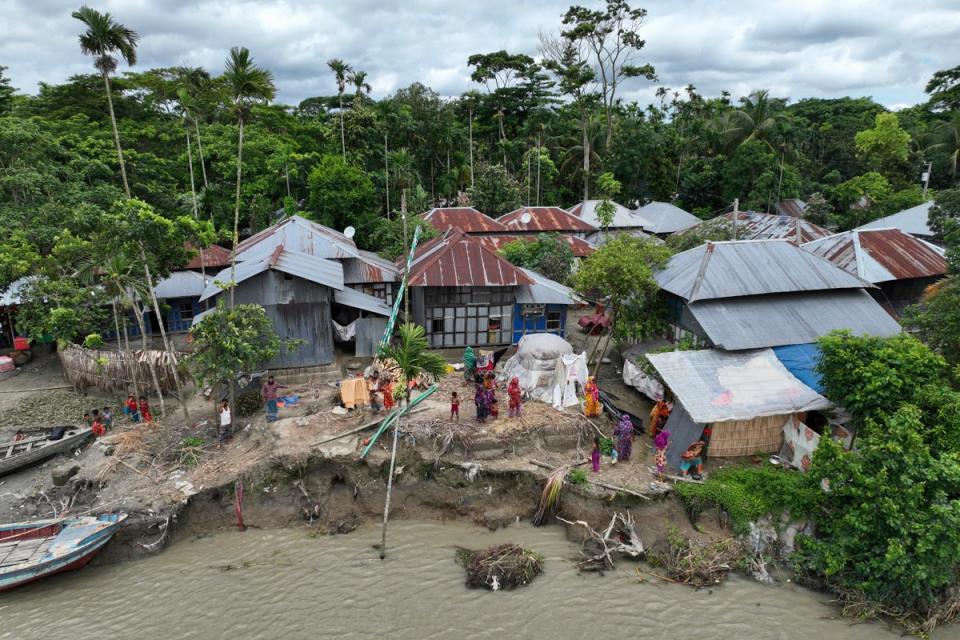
800,48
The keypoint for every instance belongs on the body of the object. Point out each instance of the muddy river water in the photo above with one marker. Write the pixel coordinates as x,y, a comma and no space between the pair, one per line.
285,584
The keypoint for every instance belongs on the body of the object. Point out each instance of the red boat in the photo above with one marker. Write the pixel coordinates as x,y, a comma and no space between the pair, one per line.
33,550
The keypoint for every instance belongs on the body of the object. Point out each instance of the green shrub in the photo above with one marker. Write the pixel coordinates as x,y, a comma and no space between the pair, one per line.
577,477
93,341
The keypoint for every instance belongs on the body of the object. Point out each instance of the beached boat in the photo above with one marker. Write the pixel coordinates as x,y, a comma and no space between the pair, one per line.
23,453
33,550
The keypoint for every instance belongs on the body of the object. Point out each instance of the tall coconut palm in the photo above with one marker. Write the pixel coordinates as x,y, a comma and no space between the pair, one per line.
191,83
758,118
104,39
248,84
360,85
948,142
341,71
413,357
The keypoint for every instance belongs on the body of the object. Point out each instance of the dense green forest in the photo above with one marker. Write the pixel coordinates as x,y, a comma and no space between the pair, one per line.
538,131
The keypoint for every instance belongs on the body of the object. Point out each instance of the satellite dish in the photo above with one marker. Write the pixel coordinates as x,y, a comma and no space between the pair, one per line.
526,217
349,232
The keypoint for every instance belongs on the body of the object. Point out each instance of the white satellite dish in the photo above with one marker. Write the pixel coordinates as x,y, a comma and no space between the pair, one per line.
526,217
349,232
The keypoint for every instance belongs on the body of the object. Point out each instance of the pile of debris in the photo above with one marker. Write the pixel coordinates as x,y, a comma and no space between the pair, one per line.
504,566
697,563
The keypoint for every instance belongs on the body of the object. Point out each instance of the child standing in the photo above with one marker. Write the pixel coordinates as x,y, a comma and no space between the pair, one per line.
131,409
144,410
661,442
454,407
87,420
595,454
107,417
226,423
97,426
387,387
513,391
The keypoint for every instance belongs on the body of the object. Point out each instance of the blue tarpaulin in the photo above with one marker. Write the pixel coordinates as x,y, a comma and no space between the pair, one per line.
801,360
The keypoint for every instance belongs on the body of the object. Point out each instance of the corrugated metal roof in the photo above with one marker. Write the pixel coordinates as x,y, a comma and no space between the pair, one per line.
752,225
458,260
200,316
666,218
714,386
360,300
793,207
580,247
14,293
881,255
544,291
180,284
369,267
752,267
298,234
214,257
467,219
319,270
914,221
792,318
623,218
545,219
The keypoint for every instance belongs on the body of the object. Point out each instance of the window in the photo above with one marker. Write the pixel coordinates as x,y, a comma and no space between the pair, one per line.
186,310
554,319
436,325
493,324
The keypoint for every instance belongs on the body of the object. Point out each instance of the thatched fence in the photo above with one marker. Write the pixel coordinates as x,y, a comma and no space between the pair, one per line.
114,370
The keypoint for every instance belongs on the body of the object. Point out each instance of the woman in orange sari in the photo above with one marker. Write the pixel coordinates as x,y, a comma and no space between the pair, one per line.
592,392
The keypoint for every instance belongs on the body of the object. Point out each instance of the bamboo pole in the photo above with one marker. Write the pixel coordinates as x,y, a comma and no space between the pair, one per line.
386,505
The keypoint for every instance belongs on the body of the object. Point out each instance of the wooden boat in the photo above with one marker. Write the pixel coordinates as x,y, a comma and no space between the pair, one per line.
33,550
23,453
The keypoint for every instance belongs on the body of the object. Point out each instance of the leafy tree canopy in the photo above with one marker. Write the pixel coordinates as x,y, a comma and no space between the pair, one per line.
549,254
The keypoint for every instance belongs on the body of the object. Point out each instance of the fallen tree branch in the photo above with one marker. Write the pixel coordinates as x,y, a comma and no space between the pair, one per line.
357,430
597,483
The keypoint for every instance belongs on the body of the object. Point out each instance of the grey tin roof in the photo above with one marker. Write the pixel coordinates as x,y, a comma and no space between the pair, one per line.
664,217
750,267
795,318
913,221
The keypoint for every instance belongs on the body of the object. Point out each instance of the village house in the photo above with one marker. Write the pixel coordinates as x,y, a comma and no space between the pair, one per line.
750,294
312,281
664,219
624,220
914,221
465,294
752,225
179,293
899,264
467,219
528,223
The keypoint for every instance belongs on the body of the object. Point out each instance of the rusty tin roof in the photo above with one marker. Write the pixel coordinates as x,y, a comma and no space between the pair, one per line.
467,219
881,255
545,219
458,260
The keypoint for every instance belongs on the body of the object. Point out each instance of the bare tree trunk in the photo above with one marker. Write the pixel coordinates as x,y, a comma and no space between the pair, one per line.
236,218
286,175
167,347
343,138
538,169
116,135
393,463
116,324
151,364
203,166
133,370
471,148
196,208
586,161
386,170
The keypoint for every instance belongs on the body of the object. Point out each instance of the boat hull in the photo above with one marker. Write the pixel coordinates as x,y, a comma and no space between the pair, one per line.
20,461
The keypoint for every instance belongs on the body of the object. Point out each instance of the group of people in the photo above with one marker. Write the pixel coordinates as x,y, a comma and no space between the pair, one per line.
485,399
137,410
381,387
99,422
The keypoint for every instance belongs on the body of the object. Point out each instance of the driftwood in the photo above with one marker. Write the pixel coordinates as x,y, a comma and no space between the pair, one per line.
597,483
619,537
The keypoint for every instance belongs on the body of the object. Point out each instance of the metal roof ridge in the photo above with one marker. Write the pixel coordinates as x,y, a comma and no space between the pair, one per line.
698,280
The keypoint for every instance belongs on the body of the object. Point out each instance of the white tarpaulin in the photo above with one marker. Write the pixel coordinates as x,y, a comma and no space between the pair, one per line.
717,386
547,369
634,376
344,333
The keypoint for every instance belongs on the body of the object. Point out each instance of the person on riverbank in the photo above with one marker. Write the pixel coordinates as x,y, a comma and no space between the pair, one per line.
226,424
658,417
691,459
661,442
490,386
591,407
514,393
131,409
482,402
595,454
107,417
624,434
269,394
144,410
97,426
454,407
386,387
87,420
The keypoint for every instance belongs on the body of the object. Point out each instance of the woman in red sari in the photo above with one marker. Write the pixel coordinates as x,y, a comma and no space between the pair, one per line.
513,391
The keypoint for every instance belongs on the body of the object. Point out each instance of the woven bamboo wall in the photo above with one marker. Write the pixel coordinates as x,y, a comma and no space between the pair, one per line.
113,370
746,437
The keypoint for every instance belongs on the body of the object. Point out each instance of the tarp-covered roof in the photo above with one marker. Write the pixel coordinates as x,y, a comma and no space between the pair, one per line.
180,284
467,219
914,221
881,255
544,291
791,318
717,386
664,217
801,360
623,218
744,268
580,247
458,260
545,219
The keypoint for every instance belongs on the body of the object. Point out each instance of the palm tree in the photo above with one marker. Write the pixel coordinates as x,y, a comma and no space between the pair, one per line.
191,83
413,358
359,81
948,134
341,71
105,38
758,119
248,83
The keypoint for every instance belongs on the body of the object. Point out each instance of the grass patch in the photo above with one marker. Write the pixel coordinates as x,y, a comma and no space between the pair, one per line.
749,493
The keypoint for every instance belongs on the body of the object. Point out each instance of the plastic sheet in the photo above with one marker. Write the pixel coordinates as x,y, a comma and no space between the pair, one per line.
540,362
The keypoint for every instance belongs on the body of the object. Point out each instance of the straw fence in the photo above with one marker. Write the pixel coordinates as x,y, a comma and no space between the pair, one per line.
746,437
113,370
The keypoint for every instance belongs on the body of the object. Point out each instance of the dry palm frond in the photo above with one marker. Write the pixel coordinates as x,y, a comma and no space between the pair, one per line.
550,497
